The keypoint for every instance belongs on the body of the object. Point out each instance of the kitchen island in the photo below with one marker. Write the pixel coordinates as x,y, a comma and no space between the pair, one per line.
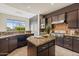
41,46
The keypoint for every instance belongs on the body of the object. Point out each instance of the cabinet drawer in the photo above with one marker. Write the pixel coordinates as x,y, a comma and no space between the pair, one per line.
69,46
68,40
43,53
51,43
43,47
4,46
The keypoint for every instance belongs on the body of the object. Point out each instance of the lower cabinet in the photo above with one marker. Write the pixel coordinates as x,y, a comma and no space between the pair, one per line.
59,41
3,46
76,45
7,45
68,42
12,43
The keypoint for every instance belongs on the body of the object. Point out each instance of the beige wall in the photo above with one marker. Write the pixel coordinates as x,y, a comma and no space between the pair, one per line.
4,17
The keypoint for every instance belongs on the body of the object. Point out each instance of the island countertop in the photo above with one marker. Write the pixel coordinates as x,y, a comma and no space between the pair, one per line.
37,41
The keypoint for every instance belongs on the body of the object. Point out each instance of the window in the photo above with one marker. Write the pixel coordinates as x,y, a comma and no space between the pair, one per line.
12,24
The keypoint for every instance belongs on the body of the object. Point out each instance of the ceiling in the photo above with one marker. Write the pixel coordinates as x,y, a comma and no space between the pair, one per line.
36,8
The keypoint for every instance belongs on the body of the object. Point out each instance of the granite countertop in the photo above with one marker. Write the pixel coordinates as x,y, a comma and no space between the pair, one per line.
5,36
37,41
72,35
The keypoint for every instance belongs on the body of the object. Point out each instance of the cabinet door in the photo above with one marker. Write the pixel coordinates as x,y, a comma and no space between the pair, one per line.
68,42
52,50
4,46
12,43
42,23
61,17
78,18
54,18
72,19
49,20
43,53
76,45
59,41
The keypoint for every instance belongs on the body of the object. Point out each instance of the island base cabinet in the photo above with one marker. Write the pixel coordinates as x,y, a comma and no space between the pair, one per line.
43,53
47,49
3,47
52,51
31,50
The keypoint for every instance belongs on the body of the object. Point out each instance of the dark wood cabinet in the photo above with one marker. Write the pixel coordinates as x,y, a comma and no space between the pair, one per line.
54,18
47,49
7,45
76,45
58,18
4,46
78,19
49,20
65,42
12,43
43,53
61,17
72,19
68,42
52,51
43,50
59,41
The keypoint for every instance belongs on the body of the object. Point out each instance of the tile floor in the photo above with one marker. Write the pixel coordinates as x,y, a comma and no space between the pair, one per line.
59,51
19,52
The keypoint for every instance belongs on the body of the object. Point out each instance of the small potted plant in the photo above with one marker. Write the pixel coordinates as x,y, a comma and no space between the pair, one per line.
48,28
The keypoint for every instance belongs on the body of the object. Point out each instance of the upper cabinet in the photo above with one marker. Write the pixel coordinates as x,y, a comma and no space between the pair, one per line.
72,19
49,20
58,19
78,18
42,22
54,18
69,14
61,17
